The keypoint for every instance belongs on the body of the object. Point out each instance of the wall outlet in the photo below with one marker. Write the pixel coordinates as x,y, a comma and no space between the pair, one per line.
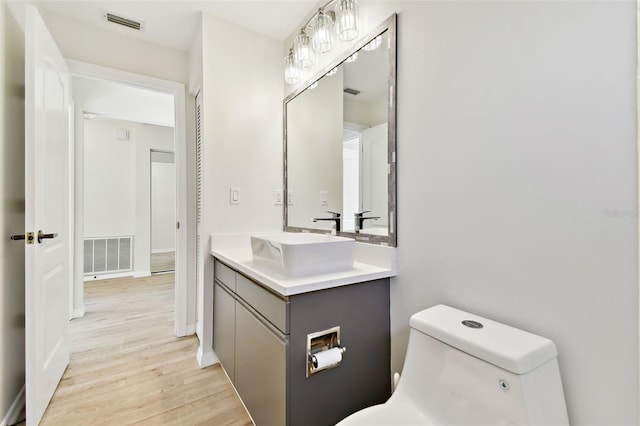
234,195
289,197
277,197
324,198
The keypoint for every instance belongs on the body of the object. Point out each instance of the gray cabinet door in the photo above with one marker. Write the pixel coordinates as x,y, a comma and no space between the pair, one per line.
224,329
260,369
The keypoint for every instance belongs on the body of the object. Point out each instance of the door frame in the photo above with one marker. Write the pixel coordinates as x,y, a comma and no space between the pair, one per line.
184,324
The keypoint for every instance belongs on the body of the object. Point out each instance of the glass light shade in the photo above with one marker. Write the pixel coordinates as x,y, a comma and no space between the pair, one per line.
314,85
373,44
322,32
347,19
332,72
291,71
302,50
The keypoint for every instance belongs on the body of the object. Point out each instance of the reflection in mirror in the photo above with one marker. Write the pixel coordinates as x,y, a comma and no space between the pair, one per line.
337,146
364,159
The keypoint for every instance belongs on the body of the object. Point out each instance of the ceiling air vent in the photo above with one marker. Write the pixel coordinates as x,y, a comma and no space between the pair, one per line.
350,91
125,22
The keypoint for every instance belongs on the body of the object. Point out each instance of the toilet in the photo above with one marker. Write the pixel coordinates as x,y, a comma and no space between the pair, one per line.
462,369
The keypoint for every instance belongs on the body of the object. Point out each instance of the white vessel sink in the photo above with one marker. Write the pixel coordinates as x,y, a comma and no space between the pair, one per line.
303,254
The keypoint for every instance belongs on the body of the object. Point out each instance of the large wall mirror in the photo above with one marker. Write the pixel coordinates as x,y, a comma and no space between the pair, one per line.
340,144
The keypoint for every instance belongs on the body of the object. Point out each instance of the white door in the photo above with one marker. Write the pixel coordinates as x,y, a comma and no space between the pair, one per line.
375,159
47,211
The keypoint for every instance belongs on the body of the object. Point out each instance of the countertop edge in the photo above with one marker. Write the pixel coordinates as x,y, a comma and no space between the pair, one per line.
242,261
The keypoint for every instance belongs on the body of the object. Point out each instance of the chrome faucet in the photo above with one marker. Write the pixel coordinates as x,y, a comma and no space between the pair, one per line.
360,218
335,217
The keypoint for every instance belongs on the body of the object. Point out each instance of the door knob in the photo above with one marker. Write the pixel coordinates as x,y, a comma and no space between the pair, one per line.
42,236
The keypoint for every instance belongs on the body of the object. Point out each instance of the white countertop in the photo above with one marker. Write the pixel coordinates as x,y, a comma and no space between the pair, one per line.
371,262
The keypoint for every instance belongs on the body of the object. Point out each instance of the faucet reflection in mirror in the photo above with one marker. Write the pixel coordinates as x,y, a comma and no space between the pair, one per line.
335,218
317,35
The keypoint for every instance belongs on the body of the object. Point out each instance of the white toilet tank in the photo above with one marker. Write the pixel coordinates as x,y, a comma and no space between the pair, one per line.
462,369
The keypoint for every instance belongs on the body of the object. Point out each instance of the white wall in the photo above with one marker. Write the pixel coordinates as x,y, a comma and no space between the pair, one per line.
116,100
367,113
163,201
12,337
117,186
82,42
314,151
517,194
109,179
242,139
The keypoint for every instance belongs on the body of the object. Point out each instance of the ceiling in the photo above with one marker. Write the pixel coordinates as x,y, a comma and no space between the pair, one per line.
172,23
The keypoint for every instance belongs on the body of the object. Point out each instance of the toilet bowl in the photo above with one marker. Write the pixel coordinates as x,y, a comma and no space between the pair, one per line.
462,369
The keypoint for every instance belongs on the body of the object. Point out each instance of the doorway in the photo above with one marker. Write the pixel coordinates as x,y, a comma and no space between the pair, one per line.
184,323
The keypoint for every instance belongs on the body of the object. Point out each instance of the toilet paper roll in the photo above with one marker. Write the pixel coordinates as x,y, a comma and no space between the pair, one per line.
327,358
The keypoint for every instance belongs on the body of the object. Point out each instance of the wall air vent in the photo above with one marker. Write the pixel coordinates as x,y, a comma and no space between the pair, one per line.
125,22
350,91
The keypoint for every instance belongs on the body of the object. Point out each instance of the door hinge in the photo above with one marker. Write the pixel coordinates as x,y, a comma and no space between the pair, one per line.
177,225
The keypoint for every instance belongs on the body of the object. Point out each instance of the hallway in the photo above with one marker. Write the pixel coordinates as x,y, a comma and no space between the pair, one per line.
127,368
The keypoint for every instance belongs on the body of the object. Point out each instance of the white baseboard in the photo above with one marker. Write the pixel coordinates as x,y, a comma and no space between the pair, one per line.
206,358
141,274
164,250
77,313
97,277
14,411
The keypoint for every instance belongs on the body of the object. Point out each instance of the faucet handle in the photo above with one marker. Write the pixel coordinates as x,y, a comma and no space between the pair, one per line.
362,212
334,214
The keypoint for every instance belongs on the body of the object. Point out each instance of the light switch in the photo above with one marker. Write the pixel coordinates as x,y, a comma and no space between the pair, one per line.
234,195
277,197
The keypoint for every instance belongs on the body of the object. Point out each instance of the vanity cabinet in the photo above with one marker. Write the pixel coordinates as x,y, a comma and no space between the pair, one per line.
260,365
260,338
224,331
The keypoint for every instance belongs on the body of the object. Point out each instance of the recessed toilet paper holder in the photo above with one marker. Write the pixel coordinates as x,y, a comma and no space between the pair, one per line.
324,350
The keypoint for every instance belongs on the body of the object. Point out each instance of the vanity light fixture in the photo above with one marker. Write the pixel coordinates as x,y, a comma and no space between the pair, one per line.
291,71
347,19
302,49
333,71
318,35
322,27
314,85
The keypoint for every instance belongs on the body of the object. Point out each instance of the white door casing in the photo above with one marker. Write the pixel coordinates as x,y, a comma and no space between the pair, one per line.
184,291
47,275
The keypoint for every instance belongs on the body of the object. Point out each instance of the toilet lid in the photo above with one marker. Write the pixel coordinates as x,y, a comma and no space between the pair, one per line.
389,414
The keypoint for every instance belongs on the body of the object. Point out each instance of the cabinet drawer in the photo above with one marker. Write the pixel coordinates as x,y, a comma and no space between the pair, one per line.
272,307
224,274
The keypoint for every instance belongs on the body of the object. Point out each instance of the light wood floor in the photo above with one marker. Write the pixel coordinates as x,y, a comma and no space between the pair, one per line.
163,262
127,367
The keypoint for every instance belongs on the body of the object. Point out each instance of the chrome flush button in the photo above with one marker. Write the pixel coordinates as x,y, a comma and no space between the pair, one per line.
472,324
